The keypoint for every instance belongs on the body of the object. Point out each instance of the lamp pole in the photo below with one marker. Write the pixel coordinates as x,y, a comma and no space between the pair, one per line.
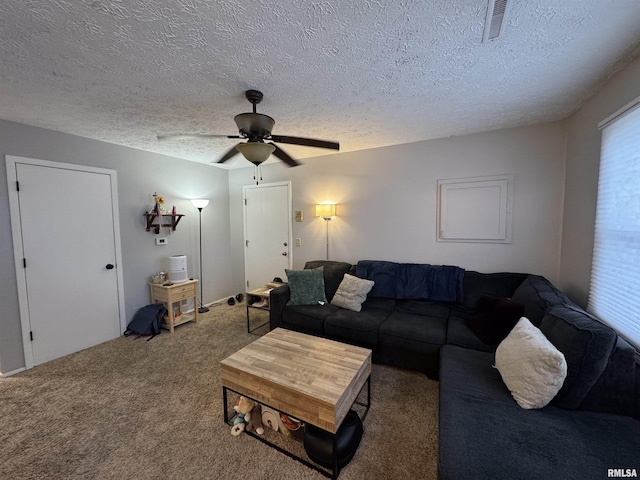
200,204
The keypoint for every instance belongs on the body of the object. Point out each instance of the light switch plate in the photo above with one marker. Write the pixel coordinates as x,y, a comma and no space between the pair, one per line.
299,216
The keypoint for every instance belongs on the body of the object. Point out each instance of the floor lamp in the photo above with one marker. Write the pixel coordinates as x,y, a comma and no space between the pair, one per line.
326,211
200,203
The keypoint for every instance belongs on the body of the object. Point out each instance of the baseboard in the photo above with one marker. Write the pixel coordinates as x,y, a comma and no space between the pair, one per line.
8,374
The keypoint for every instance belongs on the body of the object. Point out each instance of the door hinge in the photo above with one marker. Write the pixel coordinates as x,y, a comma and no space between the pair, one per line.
246,243
24,263
245,202
247,283
17,185
31,336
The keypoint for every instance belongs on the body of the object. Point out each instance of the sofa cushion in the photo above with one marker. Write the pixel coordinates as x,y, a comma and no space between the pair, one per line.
618,388
307,318
352,292
423,307
459,333
495,320
381,303
497,285
360,328
586,344
537,294
307,286
551,442
333,273
530,366
412,332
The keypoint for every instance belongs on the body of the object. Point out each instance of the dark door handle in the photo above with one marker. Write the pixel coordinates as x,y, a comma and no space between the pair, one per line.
109,266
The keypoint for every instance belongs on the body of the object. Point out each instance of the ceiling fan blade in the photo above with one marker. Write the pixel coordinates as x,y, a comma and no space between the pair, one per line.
230,153
284,156
187,136
307,142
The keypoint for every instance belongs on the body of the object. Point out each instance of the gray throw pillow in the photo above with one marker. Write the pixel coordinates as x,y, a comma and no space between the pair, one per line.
352,292
307,286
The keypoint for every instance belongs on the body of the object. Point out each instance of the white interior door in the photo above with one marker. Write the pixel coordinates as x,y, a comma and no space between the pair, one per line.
267,232
70,250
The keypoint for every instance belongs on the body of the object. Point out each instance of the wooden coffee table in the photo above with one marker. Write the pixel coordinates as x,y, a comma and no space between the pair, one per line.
310,378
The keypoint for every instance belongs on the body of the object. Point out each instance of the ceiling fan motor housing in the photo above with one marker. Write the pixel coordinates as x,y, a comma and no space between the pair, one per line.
254,126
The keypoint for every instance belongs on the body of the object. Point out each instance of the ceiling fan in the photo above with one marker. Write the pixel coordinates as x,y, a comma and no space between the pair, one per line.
255,128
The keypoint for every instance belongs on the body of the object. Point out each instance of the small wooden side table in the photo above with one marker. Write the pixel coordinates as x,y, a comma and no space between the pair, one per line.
264,293
171,293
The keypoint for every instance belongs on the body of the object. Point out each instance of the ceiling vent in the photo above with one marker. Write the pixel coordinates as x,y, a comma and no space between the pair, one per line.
496,17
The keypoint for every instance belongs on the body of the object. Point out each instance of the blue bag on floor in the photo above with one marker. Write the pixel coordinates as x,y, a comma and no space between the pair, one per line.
147,321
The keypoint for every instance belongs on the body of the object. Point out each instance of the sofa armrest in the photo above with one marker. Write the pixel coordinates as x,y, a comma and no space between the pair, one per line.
278,299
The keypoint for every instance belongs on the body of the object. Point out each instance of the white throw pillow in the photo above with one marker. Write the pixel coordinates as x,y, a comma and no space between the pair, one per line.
352,292
531,367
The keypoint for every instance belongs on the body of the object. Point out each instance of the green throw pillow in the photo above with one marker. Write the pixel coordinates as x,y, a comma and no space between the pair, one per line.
307,286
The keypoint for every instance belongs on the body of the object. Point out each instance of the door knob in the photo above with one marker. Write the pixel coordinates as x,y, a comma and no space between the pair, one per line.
284,254
285,244
109,266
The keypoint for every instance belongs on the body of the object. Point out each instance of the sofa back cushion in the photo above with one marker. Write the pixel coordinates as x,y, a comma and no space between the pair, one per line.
333,274
586,344
618,388
537,294
497,285
495,319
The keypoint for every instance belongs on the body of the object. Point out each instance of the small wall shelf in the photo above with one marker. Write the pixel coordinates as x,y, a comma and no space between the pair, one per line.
173,218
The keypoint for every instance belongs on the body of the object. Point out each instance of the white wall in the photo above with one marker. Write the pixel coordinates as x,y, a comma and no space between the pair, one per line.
387,201
140,174
581,188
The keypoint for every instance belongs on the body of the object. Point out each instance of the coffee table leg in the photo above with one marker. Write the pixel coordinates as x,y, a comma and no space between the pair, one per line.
224,402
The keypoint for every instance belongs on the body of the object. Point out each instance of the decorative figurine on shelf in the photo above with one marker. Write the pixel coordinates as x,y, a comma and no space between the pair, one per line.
158,208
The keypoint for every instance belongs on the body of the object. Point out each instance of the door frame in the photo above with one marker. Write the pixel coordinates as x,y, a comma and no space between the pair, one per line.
18,252
244,221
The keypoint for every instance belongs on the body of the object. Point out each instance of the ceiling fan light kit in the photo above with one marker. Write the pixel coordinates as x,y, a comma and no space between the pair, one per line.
256,152
256,128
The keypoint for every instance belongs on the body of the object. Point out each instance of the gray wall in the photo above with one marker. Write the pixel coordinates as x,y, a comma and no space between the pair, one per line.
387,201
386,197
581,189
140,174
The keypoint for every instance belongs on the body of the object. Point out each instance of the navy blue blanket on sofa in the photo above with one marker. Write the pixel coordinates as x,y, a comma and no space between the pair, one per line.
441,283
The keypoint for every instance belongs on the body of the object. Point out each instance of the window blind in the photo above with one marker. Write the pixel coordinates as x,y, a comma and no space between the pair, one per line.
614,295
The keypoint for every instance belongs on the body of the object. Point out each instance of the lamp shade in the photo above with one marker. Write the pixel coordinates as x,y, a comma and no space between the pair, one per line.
326,210
255,152
200,202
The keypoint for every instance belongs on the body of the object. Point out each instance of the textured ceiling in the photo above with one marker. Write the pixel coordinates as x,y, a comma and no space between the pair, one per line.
366,73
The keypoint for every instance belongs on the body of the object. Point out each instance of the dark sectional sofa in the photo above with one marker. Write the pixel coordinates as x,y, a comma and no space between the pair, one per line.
592,426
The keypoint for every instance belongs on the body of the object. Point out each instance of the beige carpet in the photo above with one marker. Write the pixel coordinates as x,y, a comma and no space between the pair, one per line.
132,409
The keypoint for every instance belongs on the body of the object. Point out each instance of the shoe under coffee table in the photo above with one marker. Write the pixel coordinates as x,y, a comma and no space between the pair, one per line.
309,378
